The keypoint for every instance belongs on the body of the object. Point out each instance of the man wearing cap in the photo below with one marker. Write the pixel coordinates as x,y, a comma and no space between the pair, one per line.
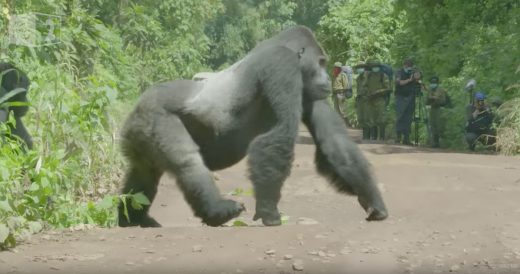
375,85
436,99
407,86
339,87
479,122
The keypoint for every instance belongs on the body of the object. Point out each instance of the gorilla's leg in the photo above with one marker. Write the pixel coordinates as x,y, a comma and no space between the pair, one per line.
22,132
139,178
4,115
340,160
181,157
270,158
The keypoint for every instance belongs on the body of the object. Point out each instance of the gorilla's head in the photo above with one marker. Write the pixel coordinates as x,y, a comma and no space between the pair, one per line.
316,81
313,60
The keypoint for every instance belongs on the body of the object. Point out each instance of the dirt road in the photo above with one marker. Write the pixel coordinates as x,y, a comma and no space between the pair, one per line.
449,213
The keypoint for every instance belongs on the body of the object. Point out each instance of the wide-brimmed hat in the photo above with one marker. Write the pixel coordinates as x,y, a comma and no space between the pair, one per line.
338,65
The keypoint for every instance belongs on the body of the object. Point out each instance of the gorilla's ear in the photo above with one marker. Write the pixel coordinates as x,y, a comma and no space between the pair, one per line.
322,61
300,53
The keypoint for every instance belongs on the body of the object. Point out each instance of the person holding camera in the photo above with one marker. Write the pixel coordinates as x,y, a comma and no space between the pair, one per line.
436,99
407,86
479,126
339,88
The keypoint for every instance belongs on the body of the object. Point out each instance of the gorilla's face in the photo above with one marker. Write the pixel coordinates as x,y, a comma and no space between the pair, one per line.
316,81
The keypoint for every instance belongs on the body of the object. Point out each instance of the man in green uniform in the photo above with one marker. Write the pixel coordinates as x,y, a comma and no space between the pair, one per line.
436,99
375,85
339,87
361,100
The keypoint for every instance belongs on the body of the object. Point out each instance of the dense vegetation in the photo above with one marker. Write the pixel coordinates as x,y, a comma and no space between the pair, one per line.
106,52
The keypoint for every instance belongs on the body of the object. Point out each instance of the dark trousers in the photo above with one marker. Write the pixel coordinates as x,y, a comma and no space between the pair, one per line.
404,108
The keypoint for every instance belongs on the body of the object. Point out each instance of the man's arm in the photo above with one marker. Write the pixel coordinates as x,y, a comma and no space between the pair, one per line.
401,81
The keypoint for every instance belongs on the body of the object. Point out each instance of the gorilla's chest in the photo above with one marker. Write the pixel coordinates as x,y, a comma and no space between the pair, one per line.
224,117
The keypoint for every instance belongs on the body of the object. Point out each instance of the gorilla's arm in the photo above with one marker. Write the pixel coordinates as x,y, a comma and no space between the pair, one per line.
4,111
340,160
14,86
3,115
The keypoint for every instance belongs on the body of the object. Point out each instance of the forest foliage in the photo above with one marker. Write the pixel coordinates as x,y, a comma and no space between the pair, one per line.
104,53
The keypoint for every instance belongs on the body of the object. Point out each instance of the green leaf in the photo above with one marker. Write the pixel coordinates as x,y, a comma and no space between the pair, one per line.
236,192
106,203
15,222
140,198
135,204
35,227
285,219
125,207
239,223
34,187
5,206
4,233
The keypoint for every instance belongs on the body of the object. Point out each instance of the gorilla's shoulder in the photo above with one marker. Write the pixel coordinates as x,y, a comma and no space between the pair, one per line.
170,92
298,29
169,86
294,38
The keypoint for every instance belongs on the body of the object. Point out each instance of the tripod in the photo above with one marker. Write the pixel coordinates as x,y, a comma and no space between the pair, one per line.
420,116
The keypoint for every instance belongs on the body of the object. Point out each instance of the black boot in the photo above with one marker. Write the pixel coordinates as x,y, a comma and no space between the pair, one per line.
406,139
366,133
382,133
436,138
373,133
398,137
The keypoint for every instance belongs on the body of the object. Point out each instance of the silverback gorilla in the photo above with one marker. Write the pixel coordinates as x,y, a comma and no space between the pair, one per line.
16,81
254,107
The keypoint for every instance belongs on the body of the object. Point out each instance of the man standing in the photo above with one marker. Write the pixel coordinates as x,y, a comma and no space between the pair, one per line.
479,122
376,86
361,100
436,99
339,88
407,86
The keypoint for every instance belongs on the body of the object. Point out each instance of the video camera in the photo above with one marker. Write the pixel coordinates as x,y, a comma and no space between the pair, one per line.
416,76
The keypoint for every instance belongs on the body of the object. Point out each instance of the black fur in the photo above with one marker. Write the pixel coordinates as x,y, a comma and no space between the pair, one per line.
11,79
339,159
253,108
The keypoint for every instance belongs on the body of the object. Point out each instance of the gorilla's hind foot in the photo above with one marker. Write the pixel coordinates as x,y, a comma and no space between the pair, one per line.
268,212
269,218
146,221
222,211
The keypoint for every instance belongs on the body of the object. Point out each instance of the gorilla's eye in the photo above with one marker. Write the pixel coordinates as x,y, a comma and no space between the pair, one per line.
323,61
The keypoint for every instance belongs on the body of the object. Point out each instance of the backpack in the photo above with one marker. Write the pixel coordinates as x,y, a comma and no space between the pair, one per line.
348,71
387,69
